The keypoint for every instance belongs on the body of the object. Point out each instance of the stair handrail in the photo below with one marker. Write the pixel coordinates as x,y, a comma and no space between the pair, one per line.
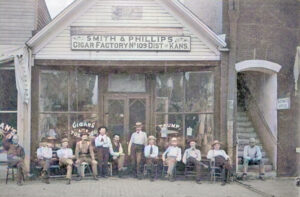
252,99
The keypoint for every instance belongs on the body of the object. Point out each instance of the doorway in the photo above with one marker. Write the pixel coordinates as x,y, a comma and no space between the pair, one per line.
122,111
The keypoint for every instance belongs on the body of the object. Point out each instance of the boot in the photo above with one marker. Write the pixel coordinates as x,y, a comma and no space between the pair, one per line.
68,181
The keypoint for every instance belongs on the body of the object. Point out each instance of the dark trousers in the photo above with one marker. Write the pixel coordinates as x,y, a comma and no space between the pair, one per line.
151,162
224,165
197,164
137,157
45,164
102,156
20,165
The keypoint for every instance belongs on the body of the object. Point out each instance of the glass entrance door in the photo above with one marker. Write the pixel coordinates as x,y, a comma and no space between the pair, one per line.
122,111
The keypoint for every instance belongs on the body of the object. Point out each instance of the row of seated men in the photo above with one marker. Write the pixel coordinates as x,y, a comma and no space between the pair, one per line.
139,147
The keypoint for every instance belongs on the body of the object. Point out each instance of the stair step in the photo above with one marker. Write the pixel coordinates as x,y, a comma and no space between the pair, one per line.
255,168
242,118
247,135
244,124
241,153
243,130
244,141
254,175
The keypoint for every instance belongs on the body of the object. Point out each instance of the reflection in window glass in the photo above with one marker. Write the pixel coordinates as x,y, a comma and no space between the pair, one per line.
173,123
9,118
8,93
54,91
115,116
169,92
199,92
84,92
53,125
126,83
200,127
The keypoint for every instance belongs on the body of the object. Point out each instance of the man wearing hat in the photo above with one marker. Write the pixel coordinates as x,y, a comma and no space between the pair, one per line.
65,156
252,156
221,159
171,156
15,158
151,155
193,156
44,156
84,152
136,146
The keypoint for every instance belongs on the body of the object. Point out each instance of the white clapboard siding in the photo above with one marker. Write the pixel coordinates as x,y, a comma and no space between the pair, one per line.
19,18
100,15
16,21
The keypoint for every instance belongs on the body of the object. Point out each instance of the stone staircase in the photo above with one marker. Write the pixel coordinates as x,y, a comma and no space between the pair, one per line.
245,131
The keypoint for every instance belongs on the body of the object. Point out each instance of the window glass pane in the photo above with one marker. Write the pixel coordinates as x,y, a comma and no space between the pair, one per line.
115,116
8,90
137,112
126,83
200,128
84,92
54,91
88,118
172,125
199,92
169,92
9,118
53,125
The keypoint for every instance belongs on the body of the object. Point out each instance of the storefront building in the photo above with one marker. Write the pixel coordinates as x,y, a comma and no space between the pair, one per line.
115,63
112,64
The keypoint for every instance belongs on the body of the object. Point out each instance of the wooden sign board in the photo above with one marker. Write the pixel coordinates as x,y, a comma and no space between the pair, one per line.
131,42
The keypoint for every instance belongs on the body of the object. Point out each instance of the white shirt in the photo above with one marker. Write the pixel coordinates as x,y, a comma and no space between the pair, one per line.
44,153
65,153
106,143
173,151
138,138
154,151
195,153
214,153
252,152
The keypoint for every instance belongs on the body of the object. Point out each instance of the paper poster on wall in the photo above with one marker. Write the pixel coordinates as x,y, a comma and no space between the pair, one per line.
189,131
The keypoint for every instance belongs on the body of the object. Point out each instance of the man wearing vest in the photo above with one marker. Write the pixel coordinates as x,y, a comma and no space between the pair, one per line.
118,156
84,152
65,156
151,155
103,148
193,156
136,146
252,156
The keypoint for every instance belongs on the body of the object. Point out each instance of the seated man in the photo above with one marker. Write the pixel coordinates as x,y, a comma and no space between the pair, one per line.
193,156
15,158
252,156
65,156
151,155
171,156
44,156
221,160
84,152
118,154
